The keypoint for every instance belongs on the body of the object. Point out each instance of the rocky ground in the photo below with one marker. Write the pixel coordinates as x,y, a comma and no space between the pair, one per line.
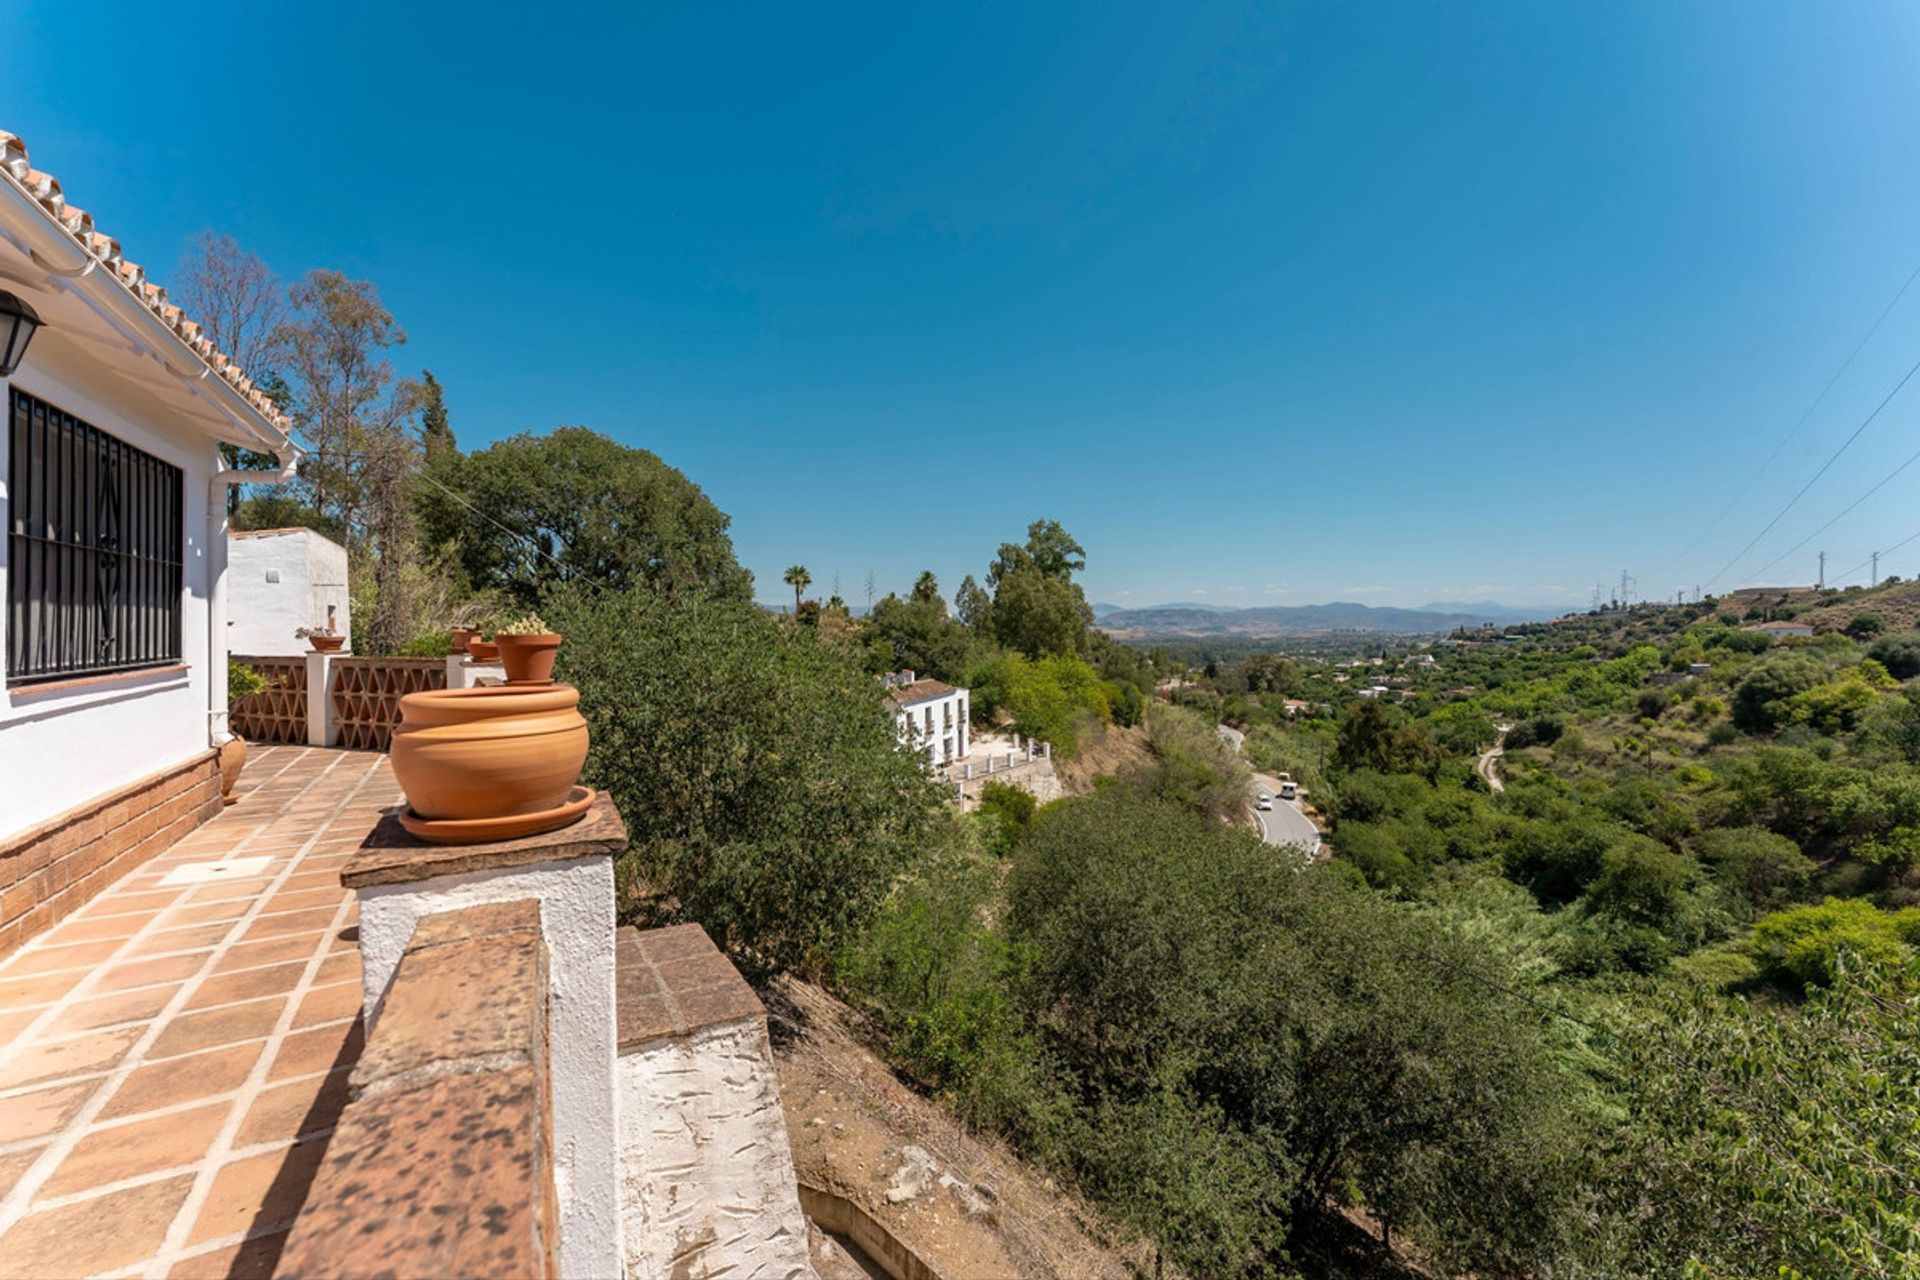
967,1208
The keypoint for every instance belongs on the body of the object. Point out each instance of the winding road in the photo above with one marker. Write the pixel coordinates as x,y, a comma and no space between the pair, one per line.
1485,765
1285,823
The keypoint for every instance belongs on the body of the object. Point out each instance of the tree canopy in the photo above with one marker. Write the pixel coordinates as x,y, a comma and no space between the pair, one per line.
575,506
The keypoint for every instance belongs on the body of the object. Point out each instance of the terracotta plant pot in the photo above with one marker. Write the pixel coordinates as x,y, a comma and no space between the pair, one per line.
483,650
326,643
463,636
529,659
233,758
484,753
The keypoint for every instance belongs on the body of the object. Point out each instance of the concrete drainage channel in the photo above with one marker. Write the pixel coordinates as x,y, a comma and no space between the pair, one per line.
877,1249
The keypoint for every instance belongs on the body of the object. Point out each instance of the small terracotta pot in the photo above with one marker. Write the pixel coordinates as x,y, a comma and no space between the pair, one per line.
233,758
326,643
463,754
462,636
529,659
483,650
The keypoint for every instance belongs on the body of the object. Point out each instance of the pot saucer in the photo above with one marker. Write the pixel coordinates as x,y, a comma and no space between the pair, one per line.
509,827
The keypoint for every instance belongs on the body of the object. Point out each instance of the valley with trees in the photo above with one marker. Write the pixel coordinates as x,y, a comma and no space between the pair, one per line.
1647,1010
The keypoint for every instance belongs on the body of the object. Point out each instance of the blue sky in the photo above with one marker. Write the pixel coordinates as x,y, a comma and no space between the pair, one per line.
1267,304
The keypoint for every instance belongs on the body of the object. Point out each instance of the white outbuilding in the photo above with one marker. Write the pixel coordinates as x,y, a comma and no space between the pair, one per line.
279,580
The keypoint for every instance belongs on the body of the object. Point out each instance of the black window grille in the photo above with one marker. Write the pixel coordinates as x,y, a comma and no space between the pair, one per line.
93,549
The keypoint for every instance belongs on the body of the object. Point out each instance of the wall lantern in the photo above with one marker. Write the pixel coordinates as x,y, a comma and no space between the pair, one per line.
17,324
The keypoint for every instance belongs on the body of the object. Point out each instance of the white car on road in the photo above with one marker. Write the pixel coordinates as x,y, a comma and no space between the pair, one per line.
1265,802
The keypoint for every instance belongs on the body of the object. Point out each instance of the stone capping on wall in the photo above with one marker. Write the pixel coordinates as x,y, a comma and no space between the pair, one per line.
49,871
390,856
442,1162
673,982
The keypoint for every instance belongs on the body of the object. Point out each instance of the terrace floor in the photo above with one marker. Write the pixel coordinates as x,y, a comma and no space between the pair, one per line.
173,1056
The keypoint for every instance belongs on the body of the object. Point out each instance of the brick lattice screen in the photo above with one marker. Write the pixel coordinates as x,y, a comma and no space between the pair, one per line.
367,693
279,714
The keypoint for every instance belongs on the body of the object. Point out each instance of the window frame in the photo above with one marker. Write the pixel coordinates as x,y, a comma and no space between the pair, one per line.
96,550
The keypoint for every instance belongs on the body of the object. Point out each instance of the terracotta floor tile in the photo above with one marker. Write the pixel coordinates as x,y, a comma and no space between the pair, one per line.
12,1166
35,1062
141,973
249,1260
69,1241
303,899
207,912
204,1030
14,1021
124,1151
41,988
119,901
105,928
200,937
105,1011
291,924
248,984
339,966
182,1079
284,1112
57,956
325,1004
230,890
250,1194
251,955
321,1049
44,1111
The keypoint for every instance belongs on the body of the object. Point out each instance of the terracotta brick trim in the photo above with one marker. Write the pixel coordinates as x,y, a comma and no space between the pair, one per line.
105,679
674,982
442,1162
51,870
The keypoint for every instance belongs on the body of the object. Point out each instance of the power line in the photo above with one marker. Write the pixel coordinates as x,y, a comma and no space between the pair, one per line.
1886,551
1833,458
1801,421
1879,485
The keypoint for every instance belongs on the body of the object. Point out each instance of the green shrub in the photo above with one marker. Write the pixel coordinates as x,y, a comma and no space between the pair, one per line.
1003,814
1759,867
1799,947
1900,655
763,788
243,681
1761,699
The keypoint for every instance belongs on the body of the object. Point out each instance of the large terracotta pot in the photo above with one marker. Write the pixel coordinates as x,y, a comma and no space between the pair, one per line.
529,658
233,758
463,754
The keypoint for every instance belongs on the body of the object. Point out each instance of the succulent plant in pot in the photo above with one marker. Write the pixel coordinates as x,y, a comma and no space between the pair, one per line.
322,640
527,649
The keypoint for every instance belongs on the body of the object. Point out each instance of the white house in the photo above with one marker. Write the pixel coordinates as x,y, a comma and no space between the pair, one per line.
1781,630
279,580
114,564
931,716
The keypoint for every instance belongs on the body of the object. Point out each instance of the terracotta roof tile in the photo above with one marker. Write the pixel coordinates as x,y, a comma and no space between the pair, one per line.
45,191
919,691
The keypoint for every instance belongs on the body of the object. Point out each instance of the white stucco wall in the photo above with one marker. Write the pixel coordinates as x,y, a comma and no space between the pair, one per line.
911,724
576,918
62,748
706,1176
279,581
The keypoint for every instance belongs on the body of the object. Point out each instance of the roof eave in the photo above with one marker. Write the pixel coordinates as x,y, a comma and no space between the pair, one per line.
120,294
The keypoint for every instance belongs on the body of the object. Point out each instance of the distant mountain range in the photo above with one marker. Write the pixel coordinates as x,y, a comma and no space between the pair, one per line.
1308,619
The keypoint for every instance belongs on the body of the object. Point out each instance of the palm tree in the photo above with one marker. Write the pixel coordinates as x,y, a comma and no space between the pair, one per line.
797,577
